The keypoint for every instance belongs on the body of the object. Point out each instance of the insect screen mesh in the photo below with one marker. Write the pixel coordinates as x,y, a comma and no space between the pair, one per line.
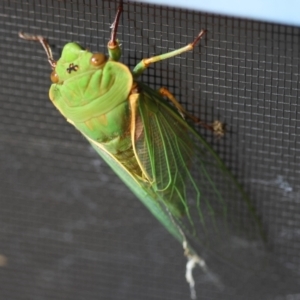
69,229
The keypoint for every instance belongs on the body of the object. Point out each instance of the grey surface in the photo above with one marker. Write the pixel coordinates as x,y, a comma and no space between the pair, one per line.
69,229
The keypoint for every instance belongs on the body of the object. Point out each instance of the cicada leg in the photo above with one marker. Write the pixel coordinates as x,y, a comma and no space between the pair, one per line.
146,62
45,44
113,44
217,127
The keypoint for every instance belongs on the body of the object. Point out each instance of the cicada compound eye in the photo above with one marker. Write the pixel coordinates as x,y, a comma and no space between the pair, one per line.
54,77
98,59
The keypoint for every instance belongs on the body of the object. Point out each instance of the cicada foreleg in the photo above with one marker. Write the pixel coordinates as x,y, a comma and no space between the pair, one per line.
146,62
113,44
217,127
45,44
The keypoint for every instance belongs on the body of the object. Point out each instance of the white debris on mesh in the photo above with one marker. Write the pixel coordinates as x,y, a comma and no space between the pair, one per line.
190,265
193,261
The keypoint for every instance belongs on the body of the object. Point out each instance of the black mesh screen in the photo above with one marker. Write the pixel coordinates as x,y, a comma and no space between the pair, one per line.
69,229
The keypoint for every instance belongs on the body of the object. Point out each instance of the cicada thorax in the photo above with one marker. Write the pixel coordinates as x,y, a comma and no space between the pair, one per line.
91,92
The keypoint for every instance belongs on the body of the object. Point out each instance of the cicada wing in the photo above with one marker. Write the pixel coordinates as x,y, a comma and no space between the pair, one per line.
141,191
190,180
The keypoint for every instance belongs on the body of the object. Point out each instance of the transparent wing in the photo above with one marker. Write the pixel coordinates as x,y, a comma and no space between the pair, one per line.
189,180
140,190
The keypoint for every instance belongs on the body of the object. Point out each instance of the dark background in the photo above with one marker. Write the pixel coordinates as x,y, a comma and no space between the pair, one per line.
69,229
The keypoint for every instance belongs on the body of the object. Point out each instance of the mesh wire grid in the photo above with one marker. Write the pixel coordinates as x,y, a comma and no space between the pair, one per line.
69,229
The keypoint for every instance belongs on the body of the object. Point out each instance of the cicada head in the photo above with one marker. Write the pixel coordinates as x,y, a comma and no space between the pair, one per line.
76,61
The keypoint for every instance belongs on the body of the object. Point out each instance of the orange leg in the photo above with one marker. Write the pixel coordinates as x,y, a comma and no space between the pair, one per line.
217,127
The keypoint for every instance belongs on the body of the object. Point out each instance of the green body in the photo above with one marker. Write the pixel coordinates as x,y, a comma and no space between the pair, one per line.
148,143
94,99
151,147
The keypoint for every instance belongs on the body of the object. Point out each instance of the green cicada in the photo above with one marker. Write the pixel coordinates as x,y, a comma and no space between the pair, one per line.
150,144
